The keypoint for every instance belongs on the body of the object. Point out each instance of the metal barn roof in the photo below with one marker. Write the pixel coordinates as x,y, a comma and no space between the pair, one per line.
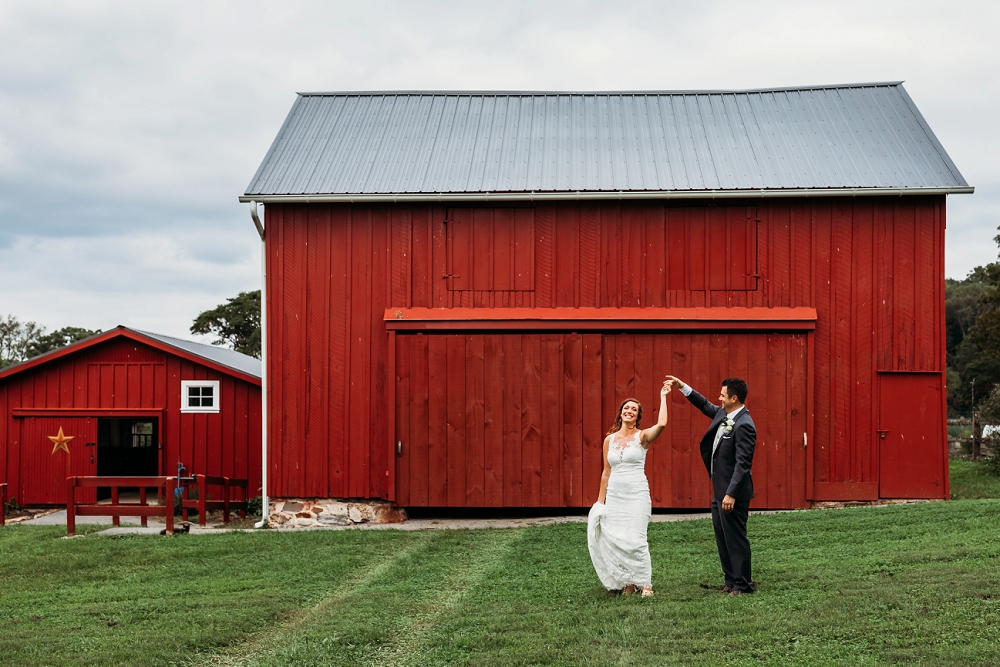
221,355
397,146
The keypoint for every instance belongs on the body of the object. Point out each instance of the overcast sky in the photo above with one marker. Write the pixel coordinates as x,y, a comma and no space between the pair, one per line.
128,129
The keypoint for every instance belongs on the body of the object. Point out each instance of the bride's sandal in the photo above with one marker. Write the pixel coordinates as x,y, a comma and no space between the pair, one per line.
647,592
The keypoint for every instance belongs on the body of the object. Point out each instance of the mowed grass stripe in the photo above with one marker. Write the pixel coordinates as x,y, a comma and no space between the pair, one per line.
382,620
266,646
898,585
498,547
141,600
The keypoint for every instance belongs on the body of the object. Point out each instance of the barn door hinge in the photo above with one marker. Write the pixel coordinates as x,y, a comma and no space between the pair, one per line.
805,441
399,448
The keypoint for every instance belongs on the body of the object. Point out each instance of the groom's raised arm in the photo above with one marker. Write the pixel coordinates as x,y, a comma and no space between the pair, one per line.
697,400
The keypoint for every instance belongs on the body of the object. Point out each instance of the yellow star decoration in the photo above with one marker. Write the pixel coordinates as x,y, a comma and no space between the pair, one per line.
60,441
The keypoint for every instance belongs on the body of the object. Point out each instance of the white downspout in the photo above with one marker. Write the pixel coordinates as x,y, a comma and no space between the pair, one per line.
265,505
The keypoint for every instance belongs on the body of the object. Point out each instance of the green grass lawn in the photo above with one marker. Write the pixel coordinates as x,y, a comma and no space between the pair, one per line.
973,479
913,584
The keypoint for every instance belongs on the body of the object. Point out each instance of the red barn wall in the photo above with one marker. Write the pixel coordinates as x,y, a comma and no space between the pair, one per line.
872,267
123,375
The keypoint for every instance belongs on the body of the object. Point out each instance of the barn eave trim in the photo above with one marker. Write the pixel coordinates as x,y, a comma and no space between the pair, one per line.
403,197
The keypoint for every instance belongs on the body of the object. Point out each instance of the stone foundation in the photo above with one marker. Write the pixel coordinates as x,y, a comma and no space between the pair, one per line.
330,513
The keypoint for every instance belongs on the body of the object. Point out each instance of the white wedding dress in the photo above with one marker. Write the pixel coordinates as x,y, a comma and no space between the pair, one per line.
616,530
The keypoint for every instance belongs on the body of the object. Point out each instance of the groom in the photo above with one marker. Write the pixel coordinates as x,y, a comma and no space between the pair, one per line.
727,449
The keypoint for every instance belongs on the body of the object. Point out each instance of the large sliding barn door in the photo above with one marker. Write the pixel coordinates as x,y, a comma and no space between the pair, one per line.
518,419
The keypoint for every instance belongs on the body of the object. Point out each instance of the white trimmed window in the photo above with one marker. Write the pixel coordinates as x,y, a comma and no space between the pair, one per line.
199,395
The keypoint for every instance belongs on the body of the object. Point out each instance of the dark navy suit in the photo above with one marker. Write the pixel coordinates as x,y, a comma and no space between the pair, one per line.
731,476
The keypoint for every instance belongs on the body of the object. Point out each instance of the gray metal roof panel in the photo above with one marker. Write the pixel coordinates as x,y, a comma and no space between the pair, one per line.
850,136
220,355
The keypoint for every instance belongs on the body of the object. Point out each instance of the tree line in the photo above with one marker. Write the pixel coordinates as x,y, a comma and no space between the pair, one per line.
20,341
972,321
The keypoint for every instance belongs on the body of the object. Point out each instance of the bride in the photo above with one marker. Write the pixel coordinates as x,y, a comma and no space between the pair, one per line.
616,527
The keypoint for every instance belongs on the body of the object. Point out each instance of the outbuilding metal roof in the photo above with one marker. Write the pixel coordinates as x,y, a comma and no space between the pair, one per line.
355,146
220,355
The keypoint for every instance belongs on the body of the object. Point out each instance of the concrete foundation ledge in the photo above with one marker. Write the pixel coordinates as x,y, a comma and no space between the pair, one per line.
292,513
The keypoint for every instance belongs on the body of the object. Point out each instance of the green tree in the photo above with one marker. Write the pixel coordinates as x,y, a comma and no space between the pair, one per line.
15,339
974,351
59,338
962,307
235,324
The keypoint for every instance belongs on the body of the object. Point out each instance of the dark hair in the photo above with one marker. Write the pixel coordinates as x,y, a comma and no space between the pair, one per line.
737,388
618,418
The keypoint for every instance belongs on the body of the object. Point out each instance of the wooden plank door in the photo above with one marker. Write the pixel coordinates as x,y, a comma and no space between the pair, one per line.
43,473
775,367
497,420
517,419
911,436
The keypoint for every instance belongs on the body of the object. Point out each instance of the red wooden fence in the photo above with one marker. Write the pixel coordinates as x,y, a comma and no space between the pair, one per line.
203,504
115,510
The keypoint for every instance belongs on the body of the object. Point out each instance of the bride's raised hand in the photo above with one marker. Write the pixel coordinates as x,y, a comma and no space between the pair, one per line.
666,388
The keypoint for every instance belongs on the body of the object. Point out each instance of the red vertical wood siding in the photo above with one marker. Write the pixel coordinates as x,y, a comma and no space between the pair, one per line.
123,374
872,268
556,465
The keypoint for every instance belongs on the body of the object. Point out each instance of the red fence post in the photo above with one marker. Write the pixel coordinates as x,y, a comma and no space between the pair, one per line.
184,499
225,499
3,504
169,484
70,506
142,501
202,493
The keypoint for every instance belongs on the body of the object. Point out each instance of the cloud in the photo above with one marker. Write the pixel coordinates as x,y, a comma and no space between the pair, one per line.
146,281
127,130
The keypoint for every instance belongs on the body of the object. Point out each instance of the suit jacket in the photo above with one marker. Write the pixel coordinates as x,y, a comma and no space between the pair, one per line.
733,456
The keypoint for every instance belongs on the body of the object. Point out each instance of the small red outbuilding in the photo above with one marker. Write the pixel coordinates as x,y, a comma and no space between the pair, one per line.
134,403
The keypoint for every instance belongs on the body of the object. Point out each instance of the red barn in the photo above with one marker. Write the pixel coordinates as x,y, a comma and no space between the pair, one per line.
134,403
462,287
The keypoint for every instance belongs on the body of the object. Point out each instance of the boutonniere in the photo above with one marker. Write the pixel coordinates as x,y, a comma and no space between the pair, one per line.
727,425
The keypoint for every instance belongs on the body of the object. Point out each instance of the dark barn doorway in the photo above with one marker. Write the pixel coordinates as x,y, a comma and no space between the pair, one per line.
127,447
